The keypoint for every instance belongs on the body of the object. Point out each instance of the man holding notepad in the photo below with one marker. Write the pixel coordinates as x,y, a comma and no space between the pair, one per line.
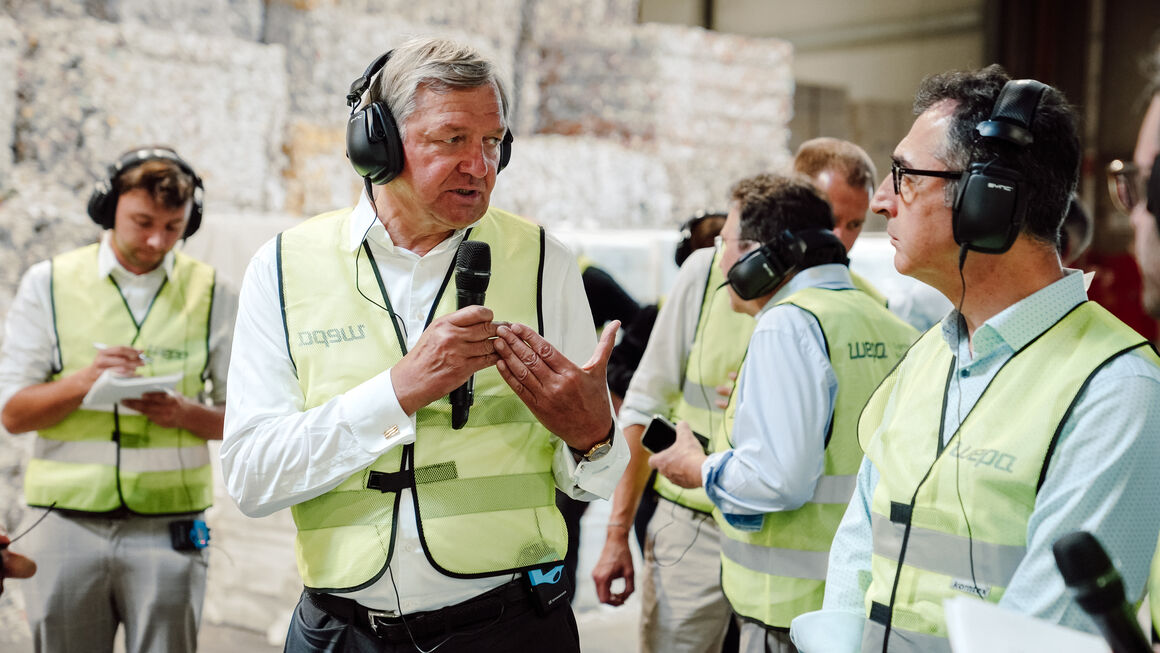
116,355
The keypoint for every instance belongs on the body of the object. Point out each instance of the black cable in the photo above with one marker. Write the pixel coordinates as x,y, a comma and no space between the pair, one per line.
699,517
959,420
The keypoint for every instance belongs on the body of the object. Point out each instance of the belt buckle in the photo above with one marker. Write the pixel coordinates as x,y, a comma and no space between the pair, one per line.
373,617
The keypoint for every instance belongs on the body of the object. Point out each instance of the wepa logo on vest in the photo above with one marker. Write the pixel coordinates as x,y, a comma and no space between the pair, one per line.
333,336
983,457
873,350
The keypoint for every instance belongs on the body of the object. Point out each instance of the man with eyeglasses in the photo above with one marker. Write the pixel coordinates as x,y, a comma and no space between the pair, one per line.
782,459
1135,190
697,342
1031,413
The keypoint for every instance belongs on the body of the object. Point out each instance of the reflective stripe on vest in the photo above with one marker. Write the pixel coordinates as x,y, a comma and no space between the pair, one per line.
161,470
901,641
779,572
719,344
489,483
999,454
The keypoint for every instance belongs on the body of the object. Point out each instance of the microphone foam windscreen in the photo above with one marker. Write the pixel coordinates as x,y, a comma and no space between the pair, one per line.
473,266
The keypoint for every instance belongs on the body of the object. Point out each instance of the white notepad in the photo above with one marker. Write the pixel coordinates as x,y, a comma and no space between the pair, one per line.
111,388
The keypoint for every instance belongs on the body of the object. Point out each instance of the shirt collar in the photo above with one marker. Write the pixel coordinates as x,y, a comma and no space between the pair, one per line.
829,275
1020,323
365,225
107,261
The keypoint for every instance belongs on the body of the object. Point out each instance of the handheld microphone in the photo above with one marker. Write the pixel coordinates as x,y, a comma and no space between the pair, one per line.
1099,590
472,274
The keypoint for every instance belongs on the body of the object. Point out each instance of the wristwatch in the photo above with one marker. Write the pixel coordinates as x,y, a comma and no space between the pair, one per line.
600,449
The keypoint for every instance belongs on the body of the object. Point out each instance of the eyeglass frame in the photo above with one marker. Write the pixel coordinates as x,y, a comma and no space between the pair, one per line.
897,171
1134,184
719,240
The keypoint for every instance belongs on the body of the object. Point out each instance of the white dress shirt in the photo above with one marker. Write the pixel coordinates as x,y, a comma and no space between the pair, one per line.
656,385
30,353
787,391
276,454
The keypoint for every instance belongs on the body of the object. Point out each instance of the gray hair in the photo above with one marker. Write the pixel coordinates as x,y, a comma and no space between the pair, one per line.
438,64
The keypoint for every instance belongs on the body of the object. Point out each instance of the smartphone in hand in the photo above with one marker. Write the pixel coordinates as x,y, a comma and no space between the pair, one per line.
659,435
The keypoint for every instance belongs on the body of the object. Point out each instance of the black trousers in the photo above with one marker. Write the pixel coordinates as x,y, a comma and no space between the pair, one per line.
517,628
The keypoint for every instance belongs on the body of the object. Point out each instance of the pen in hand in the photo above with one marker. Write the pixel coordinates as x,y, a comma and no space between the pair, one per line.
140,355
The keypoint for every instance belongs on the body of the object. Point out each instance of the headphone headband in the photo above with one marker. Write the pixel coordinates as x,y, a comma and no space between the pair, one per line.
374,145
102,206
360,85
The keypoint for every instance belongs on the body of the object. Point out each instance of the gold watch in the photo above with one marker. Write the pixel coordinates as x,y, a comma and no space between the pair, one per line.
600,449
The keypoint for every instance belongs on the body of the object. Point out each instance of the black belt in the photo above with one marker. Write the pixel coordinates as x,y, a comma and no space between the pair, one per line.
508,600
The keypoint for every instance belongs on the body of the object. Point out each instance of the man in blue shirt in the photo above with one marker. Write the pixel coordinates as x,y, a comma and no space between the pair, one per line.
1028,414
783,461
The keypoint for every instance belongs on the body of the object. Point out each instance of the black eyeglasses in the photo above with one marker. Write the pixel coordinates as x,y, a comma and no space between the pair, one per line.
899,173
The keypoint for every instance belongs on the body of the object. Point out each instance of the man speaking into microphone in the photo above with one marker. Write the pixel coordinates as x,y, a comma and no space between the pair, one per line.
412,533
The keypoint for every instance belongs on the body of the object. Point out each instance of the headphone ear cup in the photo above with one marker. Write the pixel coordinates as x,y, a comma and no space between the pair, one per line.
373,144
988,209
505,151
102,204
195,212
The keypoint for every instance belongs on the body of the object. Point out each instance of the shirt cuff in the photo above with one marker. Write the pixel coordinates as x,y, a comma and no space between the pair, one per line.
588,480
375,416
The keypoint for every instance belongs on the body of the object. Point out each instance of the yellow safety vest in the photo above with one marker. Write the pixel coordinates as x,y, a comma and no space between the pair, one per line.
97,461
953,521
718,347
863,284
484,494
775,574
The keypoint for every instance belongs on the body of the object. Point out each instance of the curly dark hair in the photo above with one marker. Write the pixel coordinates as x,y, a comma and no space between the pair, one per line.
1049,165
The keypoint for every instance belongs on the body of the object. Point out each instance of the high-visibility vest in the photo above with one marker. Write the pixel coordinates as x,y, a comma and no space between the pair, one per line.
952,521
484,494
99,461
863,284
718,347
777,573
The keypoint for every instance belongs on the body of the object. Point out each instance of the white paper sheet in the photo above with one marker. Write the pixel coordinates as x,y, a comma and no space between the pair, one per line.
111,388
976,626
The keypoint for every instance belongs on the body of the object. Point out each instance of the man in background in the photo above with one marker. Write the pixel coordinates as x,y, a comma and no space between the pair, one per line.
782,462
697,346
124,542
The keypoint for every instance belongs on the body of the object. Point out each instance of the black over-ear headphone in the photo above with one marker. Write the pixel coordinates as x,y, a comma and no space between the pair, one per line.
373,143
685,244
103,200
992,200
764,269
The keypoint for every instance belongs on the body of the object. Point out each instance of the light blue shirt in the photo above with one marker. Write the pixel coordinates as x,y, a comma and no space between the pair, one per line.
785,401
1102,476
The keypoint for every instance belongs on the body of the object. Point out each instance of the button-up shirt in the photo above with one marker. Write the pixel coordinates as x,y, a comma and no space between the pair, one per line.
1107,440
276,454
787,391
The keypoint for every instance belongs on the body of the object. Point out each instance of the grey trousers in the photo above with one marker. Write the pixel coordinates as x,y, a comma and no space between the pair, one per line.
94,573
755,638
683,608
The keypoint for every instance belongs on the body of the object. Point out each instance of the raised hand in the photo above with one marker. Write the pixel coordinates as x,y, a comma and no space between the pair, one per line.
570,400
